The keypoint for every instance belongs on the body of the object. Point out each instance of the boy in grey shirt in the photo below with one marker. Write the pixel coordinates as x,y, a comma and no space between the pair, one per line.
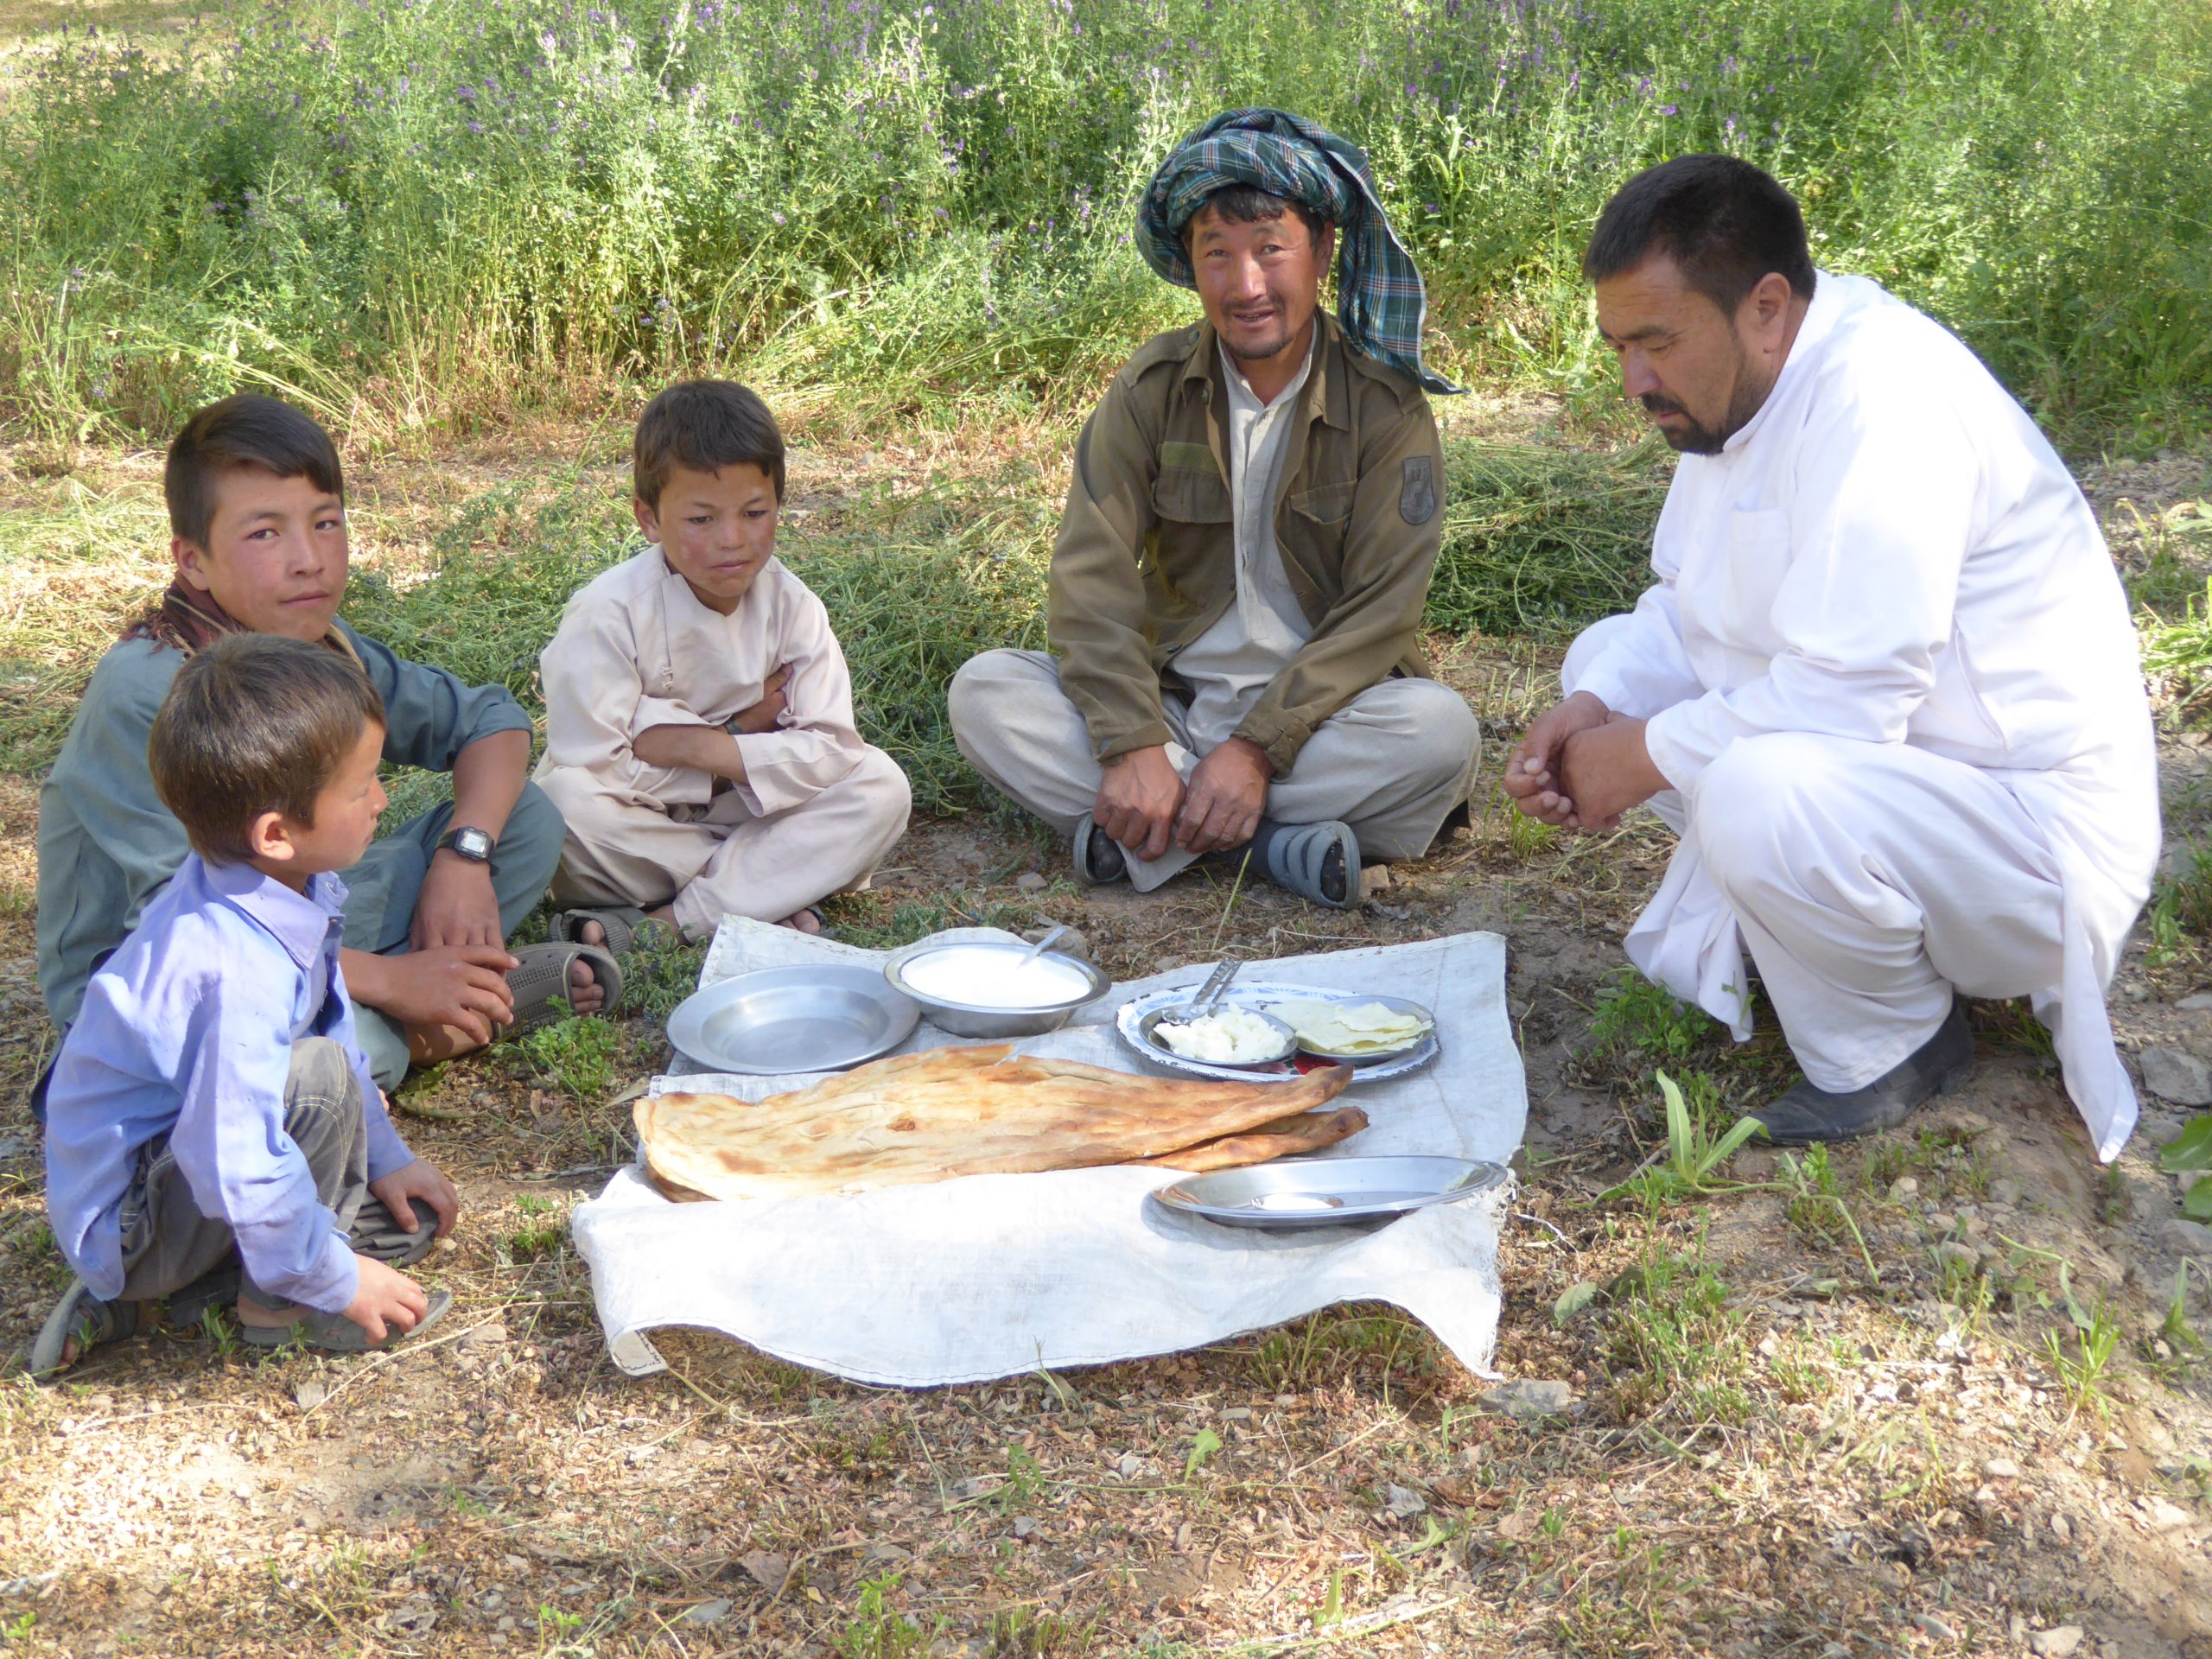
257,521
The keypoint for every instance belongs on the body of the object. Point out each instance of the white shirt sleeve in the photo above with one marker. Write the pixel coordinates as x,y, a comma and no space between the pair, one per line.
1642,666
1882,513
817,743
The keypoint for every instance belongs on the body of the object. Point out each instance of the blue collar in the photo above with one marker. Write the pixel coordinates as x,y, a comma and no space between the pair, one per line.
304,923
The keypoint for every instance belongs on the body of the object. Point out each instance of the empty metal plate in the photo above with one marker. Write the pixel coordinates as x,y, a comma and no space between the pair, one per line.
819,1017
1295,1192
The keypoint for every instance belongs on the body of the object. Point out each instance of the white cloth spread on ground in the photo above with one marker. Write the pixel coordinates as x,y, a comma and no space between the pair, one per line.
992,1275
1890,556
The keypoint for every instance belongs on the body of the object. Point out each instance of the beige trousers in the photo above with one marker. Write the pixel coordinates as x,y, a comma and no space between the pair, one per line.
1392,763
721,858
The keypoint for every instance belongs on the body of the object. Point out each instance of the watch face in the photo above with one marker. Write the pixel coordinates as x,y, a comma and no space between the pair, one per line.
471,843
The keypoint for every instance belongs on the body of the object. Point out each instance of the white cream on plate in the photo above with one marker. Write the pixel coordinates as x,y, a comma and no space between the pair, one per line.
983,976
1229,1036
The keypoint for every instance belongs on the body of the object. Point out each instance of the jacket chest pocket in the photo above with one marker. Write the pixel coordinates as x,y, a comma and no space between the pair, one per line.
1311,526
1191,546
1183,495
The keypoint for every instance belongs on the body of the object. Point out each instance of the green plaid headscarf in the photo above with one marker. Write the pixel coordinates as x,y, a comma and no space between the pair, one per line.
1380,299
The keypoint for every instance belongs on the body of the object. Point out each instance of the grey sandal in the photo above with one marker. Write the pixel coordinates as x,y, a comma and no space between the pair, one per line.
375,1234
82,1315
333,1333
620,923
1320,862
540,983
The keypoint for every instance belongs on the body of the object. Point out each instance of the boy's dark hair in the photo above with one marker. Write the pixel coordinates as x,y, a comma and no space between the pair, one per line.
1247,204
255,723
1724,222
704,426
247,431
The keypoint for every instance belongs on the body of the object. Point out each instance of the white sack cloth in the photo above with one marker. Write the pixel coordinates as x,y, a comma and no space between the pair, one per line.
994,1275
1889,553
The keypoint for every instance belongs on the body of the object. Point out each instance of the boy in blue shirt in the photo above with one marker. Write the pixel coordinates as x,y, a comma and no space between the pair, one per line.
212,1107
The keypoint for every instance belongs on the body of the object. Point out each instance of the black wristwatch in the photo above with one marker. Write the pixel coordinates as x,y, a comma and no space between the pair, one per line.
468,841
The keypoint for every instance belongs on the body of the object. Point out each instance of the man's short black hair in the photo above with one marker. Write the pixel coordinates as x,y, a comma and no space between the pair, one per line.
1722,220
705,425
246,430
255,723
1247,204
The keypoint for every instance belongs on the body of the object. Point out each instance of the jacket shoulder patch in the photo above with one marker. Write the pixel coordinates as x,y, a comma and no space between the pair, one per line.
1417,490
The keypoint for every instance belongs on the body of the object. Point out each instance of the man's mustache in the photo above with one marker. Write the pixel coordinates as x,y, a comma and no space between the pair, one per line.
1655,404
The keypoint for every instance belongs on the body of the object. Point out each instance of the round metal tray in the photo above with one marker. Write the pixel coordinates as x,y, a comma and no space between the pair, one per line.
1130,1024
1294,1194
817,1017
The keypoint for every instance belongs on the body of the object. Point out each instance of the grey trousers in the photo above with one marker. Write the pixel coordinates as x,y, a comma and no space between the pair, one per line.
169,1244
381,892
1393,763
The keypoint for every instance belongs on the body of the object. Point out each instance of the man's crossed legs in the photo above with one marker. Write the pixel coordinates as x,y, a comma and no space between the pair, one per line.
1393,764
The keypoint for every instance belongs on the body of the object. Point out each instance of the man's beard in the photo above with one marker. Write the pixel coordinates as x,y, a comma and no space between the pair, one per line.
1698,439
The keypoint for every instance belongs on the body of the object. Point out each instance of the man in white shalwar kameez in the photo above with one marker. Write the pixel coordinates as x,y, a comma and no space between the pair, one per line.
1885,687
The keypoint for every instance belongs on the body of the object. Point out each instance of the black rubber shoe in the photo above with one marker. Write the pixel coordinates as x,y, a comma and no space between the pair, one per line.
1805,1113
1097,858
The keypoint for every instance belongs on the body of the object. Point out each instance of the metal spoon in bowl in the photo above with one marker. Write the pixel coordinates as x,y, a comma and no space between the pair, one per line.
1059,931
1211,993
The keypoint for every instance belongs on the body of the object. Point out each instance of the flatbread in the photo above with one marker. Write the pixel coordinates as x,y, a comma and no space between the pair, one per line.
1285,1138
946,1112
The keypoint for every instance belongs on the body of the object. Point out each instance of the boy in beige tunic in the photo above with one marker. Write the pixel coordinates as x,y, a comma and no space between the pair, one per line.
698,712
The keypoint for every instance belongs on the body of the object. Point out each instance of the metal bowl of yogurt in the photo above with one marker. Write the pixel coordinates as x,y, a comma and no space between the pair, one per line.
979,988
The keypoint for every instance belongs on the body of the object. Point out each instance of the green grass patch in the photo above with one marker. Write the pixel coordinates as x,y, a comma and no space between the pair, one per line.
576,1056
1673,1345
408,213
1636,1019
1541,541
2181,651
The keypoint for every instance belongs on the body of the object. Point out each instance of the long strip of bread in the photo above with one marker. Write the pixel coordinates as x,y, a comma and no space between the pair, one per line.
1286,1137
950,1112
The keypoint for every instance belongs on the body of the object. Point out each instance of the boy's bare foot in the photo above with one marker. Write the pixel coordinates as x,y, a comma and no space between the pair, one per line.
264,1319
592,933
586,993
808,920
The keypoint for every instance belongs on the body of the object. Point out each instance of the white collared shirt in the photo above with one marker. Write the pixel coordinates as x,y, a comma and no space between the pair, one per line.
1230,664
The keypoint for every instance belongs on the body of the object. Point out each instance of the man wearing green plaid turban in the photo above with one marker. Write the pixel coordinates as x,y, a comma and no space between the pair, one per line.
1380,300
1235,595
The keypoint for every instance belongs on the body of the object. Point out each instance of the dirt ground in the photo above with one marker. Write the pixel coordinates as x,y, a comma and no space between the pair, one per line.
1826,1412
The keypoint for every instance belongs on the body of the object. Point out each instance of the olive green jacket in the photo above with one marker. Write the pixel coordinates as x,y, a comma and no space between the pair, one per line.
1145,560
